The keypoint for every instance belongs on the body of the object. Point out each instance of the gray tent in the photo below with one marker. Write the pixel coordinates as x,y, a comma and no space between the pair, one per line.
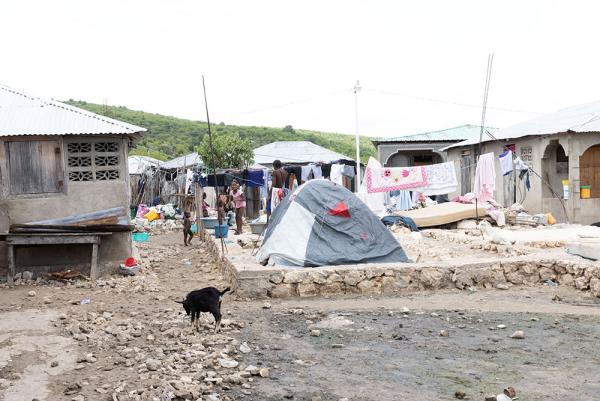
322,223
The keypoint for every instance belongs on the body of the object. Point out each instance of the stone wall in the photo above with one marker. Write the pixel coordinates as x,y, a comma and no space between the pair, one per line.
528,270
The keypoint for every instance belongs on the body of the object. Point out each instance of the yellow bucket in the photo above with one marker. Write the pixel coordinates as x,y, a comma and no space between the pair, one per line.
585,191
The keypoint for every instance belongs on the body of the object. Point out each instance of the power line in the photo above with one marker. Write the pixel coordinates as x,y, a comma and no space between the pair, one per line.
287,104
450,102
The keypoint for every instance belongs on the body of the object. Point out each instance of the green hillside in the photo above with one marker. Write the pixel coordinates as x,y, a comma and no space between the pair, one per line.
169,137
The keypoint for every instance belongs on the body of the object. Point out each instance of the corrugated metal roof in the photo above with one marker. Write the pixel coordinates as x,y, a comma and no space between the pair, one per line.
190,160
459,133
581,118
23,114
295,152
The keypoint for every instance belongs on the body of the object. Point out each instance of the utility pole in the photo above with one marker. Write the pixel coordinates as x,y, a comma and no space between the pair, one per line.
357,89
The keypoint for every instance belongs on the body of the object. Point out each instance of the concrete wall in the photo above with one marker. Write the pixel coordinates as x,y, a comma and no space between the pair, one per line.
77,198
543,152
401,151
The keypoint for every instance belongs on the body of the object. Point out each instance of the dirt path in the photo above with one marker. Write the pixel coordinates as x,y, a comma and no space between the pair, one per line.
132,342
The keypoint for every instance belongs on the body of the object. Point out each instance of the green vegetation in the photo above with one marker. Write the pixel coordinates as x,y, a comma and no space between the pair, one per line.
230,151
169,137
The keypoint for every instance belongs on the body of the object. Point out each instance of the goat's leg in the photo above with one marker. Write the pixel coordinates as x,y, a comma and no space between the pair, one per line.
217,316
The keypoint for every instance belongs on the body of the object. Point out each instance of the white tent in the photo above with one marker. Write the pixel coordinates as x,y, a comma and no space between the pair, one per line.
189,160
295,152
137,164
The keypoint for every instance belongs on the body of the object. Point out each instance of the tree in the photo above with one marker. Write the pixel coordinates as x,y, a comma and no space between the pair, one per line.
230,151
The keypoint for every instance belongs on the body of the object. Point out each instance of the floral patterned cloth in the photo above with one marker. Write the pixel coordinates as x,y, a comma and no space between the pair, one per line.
388,179
441,179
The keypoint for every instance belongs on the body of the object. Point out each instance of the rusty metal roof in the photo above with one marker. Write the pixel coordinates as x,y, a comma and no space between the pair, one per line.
23,114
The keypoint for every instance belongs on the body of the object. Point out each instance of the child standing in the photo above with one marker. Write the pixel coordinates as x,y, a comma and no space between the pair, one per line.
187,229
239,200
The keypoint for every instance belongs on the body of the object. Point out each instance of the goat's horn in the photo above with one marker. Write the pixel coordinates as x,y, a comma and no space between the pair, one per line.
179,302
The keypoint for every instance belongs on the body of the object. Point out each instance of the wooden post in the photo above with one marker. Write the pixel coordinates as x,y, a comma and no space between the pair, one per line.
11,264
94,266
256,202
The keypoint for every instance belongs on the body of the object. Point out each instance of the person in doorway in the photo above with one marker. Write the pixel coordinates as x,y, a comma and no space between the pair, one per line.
204,205
238,198
187,229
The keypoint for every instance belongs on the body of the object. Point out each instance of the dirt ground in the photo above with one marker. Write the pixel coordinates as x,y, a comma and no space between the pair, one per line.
52,347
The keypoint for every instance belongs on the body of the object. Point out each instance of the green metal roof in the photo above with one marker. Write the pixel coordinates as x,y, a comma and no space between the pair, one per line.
456,134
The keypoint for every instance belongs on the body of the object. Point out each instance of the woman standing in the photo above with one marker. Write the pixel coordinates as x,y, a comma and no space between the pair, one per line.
239,200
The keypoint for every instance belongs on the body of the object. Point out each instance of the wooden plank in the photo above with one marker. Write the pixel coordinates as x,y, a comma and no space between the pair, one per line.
11,264
94,265
51,171
52,240
55,234
24,167
25,228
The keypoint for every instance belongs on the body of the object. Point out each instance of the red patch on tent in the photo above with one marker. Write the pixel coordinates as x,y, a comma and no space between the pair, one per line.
341,209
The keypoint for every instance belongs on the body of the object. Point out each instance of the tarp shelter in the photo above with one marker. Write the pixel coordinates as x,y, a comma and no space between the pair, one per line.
322,223
189,160
138,164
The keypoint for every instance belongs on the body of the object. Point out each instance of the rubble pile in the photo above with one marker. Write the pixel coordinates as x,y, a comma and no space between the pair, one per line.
160,355
171,360
160,226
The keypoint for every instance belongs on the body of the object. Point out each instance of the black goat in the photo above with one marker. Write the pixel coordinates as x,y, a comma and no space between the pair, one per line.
205,300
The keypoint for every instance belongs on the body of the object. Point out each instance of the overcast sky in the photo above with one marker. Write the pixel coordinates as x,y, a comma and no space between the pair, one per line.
278,62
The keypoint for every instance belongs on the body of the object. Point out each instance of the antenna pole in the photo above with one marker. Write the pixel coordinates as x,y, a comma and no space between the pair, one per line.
212,154
488,76
357,89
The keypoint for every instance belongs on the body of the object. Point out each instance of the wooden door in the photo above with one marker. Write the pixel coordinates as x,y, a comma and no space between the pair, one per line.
35,167
589,170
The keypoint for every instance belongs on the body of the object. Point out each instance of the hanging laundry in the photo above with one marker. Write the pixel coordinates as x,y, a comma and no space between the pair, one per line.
348,171
296,170
276,198
506,162
189,178
264,189
485,178
520,165
441,179
523,172
220,180
255,178
326,170
402,200
306,170
293,181
375,201
316,171
391,178
336,174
